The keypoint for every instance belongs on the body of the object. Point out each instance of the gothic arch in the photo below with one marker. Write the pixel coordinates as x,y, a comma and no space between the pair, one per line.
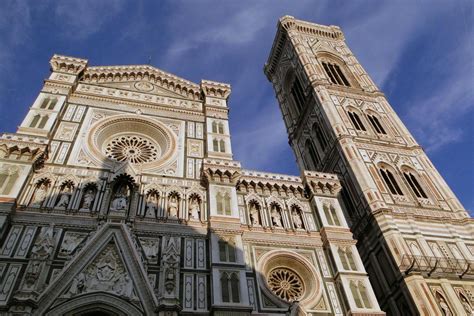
95,302
326,56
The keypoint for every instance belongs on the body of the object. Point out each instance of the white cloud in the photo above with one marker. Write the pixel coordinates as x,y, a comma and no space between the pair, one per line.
80,19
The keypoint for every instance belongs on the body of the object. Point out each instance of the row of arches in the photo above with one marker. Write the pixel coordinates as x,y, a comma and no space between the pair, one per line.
116,197
277,216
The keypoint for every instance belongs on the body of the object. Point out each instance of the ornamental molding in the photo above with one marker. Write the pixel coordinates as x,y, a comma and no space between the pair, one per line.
144,73
215,89
272,179
66,64
134,96
322,183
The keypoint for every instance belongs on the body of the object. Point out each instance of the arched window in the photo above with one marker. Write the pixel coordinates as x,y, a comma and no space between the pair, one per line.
356,121
414,185
43,121
359,293
376,124
311,153
335,74
214,127
8,178
215,145
220,128
298,95
45,103
230,287
222,146
35,120
331,215
347,259
227,250
390,181
223,203
318,133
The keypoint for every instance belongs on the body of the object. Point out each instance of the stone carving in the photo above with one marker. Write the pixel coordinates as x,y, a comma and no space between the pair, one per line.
466,305
276,216
44,244
254,216
32,274
173,207
297,222
194,209
285,284
70,242
64,198
150,248
170,267
151,205
121,199
106,273
88,199
40,195
444,306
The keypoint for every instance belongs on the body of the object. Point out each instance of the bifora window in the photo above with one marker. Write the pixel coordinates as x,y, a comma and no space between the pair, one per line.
230,287
390,181
335,74
356,121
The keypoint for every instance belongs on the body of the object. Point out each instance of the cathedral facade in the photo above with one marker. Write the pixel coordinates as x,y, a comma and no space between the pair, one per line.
119,195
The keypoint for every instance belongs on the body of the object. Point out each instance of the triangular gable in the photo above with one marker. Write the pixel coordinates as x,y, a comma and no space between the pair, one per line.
142,78
108,264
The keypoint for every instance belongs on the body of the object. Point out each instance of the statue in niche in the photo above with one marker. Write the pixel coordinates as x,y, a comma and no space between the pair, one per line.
40,195
173,206
151,205
88,199
194,210
276,216
120,200
297,222
254,214
466,305
444,306
44,244
32,274
64,197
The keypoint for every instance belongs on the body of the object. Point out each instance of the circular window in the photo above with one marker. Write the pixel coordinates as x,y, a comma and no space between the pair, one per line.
285,284
133,139
135,149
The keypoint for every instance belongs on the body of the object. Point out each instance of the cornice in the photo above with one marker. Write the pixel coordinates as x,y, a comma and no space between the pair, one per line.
66,64
154,75
271,178
220,170
322,183
215,89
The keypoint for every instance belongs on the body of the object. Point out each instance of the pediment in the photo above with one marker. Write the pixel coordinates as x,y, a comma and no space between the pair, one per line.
143,79
108,264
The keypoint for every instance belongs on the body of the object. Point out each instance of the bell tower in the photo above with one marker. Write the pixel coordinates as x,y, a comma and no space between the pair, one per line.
414,236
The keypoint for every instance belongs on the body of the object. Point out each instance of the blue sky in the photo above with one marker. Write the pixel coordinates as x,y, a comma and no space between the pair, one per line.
420,53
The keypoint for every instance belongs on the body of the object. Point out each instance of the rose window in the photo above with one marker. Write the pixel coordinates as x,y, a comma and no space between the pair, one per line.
285,284
135,149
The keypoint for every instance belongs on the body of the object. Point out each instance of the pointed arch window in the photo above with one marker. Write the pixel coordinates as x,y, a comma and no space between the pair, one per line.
220,128
313,158
222,146
347,259
227,250
298,95
331,215
356,121
318,133
223,203
215,145
43,121
390,181
230,287
414,185
214,127
35,120
376,124
359,293
335,74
